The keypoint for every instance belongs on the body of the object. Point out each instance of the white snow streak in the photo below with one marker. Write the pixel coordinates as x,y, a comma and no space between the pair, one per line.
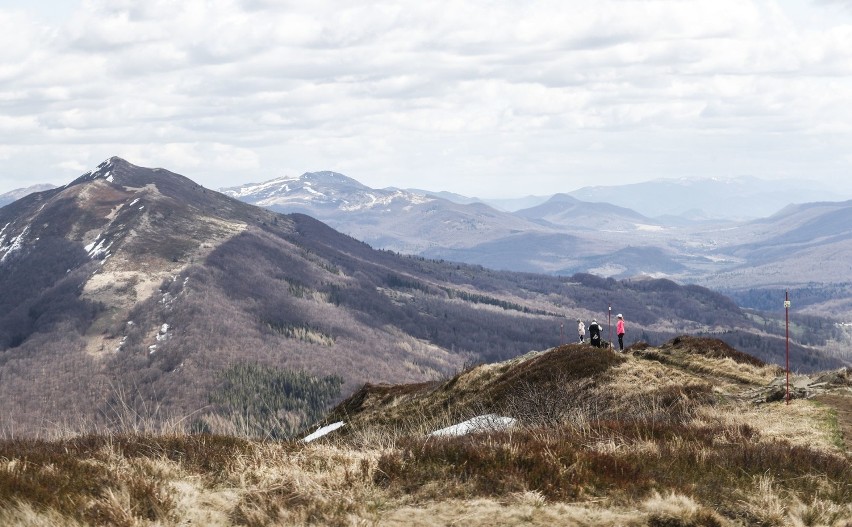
97,248
312,191
481,423
322,431
16,243
1,233
261,187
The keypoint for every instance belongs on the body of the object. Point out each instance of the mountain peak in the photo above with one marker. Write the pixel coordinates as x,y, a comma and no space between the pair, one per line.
562,198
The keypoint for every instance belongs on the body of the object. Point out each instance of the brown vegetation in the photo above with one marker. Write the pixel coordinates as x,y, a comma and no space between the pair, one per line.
627,432
634,442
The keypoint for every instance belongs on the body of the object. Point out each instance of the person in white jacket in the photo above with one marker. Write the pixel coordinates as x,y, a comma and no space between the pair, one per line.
581,329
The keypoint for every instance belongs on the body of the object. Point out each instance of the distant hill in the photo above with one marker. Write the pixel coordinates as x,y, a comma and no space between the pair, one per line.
736,198
569,212
504,204
805,248
133,286
17,194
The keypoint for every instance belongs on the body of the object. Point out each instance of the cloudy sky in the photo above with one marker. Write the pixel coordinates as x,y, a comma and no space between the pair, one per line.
481,97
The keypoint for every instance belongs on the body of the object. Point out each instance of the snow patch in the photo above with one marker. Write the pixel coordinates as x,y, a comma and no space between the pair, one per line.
98,248
481,423
279,184
310,190
608,270
15,243
322,431
648,228
163,333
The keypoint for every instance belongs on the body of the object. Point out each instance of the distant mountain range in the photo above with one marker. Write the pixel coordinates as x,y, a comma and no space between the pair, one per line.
801,246
392,219
681,200
136,286
739,198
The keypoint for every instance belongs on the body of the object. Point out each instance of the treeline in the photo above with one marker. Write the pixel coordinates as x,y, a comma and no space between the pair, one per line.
476,298
273,402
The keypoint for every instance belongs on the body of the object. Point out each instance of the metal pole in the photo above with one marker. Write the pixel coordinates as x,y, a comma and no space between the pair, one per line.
609,323
787,332
561,334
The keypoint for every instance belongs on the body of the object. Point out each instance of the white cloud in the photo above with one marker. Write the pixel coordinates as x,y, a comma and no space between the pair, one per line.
461,96
72,165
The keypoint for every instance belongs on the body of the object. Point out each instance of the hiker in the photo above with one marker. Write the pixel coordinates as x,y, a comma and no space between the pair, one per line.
581,329
595,333
619,328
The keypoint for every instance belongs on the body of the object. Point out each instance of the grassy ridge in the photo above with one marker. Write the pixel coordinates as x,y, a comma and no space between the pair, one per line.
656,437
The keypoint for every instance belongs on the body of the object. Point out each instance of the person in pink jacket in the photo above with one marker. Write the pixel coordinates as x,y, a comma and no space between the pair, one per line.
619,328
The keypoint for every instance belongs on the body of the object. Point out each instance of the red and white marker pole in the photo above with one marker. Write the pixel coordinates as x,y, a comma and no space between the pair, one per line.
787,330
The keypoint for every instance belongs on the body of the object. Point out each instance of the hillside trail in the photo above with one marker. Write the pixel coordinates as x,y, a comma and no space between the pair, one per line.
842,404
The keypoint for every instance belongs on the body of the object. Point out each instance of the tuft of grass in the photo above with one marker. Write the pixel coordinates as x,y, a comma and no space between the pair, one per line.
675,510
80,478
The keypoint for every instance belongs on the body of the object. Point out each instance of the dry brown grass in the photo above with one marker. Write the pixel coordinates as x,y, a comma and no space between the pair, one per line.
216,482
800,423
638,442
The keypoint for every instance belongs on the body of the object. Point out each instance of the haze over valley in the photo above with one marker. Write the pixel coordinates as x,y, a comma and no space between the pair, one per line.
797,246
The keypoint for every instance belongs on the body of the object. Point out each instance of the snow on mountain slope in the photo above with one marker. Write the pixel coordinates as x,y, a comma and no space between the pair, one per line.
324,190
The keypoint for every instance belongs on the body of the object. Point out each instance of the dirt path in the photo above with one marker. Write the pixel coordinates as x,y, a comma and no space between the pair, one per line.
842,403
